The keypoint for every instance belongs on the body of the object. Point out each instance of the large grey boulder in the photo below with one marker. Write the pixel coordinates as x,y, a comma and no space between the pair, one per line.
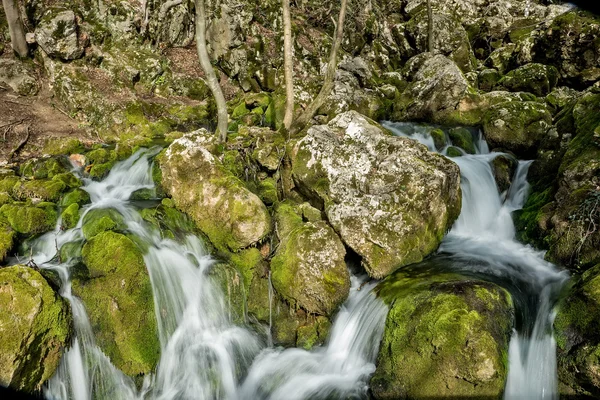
388,198
223,208
57,34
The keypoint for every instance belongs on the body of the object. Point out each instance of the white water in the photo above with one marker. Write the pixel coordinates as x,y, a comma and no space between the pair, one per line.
482,242
203,354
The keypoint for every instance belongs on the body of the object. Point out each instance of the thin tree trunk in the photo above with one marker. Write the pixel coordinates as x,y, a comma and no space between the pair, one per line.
288,67
211,77
15,27
430,46
311,110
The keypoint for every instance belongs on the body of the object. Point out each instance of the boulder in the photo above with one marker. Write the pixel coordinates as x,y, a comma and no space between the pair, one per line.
389,199
57,34
19,77
577,337
223,208
504,168
35,326
516,126
436,89
308,269
535,78
446,338
29,220
117,294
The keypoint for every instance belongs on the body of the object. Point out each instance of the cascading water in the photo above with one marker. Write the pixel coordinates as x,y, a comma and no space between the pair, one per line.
482,243
203,354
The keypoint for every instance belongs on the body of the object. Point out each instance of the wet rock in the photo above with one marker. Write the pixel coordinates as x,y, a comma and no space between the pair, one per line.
7,238
19,77
436,90
504,168
308,269
577,337
443,338
388,198
35,326
516,126
229,214
100,220
487,79
57,35
117,295
29,220
463,138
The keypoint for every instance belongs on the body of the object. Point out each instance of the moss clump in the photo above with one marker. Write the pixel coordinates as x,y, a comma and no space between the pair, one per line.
5,199
70,216
535,78
7,238
35,326
314,333
267,191
463,138
231,284
453,152
7,184
119,302
439,138
62,146
443,339
47,190
101,220
29,220
68,179
99,171
78,196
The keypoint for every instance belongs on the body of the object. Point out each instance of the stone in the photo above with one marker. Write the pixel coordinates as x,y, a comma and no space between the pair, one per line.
389,199
222,207
19,77
436,90
57,34
535,78
443,338
35,327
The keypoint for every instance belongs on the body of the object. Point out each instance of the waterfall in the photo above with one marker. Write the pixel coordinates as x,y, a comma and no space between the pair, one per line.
203,354
482,244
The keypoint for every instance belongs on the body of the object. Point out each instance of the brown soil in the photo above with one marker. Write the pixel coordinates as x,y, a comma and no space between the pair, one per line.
27,122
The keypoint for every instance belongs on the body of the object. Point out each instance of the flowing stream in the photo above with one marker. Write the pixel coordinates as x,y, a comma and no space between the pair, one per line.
204,355
482,244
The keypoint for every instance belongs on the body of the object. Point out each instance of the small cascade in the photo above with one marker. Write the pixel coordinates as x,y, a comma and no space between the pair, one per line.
482,244
203,354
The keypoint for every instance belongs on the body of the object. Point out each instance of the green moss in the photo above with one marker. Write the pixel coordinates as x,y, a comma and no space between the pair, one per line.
101,220
41,189
7,238
246,261
313,334
35,327
99,171
439,138
232,286
267,191
100,156
71,251
70,216
239,111
62,146
462,138
536,78
453,152
77,196
68,179
29,220
287,219
7,184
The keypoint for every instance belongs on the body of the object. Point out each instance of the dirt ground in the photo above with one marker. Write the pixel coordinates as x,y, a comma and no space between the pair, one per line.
27,122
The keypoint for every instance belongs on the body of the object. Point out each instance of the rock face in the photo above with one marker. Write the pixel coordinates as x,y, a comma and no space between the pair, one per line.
578,339
35,326
308,269
117,295
388,198
516,126
436,89
443,339
228,213
57,35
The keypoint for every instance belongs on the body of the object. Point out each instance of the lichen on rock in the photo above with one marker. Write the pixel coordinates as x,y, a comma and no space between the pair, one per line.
389,199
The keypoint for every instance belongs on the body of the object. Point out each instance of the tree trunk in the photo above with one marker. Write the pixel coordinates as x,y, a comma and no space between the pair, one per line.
310,111
288,65
211,77
430,46
15,27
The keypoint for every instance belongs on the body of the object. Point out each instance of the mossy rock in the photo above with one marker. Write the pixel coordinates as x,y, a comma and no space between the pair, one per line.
100,220
8,183
99,171
463,138
76,196
443,338
313,333
517,126
35,326
119,302
439,138
504,168
267,191
68,179
535,78
453,152
62,146
46,190
578,338
7,238
231,284
70,216
487,79
41,169
309,270
29,220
